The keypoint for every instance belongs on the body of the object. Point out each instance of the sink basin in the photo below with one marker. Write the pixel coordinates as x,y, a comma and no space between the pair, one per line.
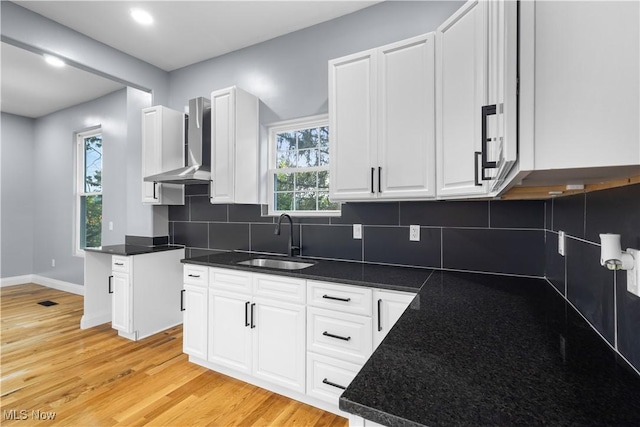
276,263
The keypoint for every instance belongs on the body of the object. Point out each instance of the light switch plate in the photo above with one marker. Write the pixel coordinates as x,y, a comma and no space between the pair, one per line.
633,275
414,233
357,231
561,243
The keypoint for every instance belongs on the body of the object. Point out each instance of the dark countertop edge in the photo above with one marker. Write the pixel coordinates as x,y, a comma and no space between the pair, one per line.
302,275
130,250
375,415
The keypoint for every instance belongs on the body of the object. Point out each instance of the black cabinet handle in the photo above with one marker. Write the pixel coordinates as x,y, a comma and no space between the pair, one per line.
110,288
155,185
336,298
326,381
252,324
182,300
476,162
379,179
194,275
379,315
372,172
327,334
246,313
487,110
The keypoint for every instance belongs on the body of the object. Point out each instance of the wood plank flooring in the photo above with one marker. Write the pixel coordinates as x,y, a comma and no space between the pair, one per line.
50,367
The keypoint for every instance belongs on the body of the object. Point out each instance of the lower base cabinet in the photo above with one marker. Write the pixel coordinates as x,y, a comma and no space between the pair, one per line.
304,339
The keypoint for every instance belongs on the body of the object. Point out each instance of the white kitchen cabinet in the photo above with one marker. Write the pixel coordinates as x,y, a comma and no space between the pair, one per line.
389,306
381,116
230,330
234,147
163,146
146,293
476,83
195,308
579,92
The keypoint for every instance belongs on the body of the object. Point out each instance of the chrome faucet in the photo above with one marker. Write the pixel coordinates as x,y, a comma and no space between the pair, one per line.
291,248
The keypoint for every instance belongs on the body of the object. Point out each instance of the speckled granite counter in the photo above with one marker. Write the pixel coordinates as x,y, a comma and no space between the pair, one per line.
127,250
354,273
489,350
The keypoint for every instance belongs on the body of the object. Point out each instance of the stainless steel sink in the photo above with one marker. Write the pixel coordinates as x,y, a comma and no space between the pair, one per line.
276,263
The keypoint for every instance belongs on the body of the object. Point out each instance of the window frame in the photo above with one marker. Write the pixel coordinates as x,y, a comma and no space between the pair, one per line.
291,126
79,182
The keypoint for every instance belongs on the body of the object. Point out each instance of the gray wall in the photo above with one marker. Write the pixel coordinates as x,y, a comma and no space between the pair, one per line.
16,235
53,161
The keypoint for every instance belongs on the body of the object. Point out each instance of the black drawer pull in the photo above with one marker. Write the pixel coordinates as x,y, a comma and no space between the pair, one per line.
119,263
336,298
182,300
326,381
327,334
379,315
246,314
372,172
253,325
194,275
109,287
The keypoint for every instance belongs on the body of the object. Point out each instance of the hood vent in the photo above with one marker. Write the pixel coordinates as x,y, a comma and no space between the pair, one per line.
198,169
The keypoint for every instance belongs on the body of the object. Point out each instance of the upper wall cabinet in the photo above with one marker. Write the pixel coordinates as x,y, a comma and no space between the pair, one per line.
580,91
234,147
162,150
381,120
476,104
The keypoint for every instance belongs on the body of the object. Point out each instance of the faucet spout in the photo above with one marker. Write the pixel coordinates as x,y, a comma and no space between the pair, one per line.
291,249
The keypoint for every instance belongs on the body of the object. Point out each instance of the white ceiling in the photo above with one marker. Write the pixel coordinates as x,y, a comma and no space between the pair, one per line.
183,33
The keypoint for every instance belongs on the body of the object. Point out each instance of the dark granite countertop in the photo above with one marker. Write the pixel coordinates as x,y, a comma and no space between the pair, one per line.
354,273
489,350
127,250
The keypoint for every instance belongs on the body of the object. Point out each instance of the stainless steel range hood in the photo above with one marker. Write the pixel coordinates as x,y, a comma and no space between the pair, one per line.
198,169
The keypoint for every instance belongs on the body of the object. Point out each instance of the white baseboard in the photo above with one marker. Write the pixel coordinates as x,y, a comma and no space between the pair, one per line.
43,281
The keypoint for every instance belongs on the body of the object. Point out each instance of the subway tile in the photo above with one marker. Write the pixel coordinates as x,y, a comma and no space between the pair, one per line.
445,213
191,234
197,189
179,213
517,214
330,241
247,213
628,321
590,286
382,213
224,236
263,238
548,212
392,245
203,210
568,215
616,210
554,263
494,251
193,252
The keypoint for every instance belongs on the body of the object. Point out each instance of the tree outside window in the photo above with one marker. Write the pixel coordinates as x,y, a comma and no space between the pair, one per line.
89,190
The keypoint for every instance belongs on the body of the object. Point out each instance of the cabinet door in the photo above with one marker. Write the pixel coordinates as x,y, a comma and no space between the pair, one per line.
151,153
352,123
406,147
460,94
230,330
121,314
194,340
223,114
279,343
389,306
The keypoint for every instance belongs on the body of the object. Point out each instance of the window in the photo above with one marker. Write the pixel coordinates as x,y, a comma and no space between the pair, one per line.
299,168
88,190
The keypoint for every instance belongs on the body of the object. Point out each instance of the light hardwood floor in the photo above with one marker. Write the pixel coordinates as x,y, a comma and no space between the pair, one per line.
95,378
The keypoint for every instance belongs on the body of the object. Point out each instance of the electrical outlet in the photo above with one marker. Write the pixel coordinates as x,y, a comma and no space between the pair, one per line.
561,243
53,262
110,225
414,233
357,231
633,275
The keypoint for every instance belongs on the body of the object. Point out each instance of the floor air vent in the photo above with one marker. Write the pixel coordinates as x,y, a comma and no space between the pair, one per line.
47,303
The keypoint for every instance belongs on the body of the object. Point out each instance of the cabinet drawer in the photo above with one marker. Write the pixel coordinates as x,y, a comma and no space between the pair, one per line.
120,263
341,335
195,274
350,299
328,377
230,280
280,288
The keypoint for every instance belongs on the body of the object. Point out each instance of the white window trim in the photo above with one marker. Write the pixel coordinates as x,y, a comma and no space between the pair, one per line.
78,184
288,126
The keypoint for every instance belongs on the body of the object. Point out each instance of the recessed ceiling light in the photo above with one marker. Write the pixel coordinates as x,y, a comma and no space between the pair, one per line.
55,61
141,16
